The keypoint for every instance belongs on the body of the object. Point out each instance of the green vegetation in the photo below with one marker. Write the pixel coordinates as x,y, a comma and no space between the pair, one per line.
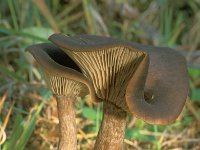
33,121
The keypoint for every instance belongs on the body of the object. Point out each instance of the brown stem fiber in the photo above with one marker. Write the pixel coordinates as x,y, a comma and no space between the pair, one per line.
67,123
111,133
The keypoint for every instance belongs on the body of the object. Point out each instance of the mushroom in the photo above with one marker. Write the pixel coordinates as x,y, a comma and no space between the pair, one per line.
150,82
67,82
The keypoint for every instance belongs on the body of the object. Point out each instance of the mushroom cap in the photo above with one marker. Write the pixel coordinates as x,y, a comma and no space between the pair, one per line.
165,84
158,87
62,74
109,64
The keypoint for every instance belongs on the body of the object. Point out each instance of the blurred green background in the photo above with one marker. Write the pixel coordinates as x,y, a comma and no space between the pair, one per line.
28,116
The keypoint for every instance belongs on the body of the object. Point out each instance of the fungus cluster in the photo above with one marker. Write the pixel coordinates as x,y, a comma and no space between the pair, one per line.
149,82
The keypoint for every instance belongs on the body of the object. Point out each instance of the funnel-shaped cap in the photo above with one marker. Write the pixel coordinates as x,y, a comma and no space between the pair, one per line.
61,73
151,82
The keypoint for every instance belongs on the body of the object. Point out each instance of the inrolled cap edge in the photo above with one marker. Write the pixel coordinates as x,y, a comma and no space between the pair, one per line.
166,78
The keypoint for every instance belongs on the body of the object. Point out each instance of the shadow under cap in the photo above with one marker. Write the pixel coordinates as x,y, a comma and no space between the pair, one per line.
58,65
161,74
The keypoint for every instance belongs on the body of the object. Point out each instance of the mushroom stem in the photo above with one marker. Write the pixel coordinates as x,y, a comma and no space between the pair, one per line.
67,123
111,133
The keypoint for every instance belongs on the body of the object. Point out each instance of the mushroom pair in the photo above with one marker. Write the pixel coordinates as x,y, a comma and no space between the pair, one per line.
149,82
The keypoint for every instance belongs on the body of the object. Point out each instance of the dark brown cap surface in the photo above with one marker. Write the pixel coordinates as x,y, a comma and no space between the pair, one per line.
166,86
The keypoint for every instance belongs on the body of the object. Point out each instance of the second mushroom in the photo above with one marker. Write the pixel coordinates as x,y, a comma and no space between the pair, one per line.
67,82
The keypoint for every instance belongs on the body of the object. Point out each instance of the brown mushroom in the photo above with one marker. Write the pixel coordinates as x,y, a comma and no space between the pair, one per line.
150,82
67,82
